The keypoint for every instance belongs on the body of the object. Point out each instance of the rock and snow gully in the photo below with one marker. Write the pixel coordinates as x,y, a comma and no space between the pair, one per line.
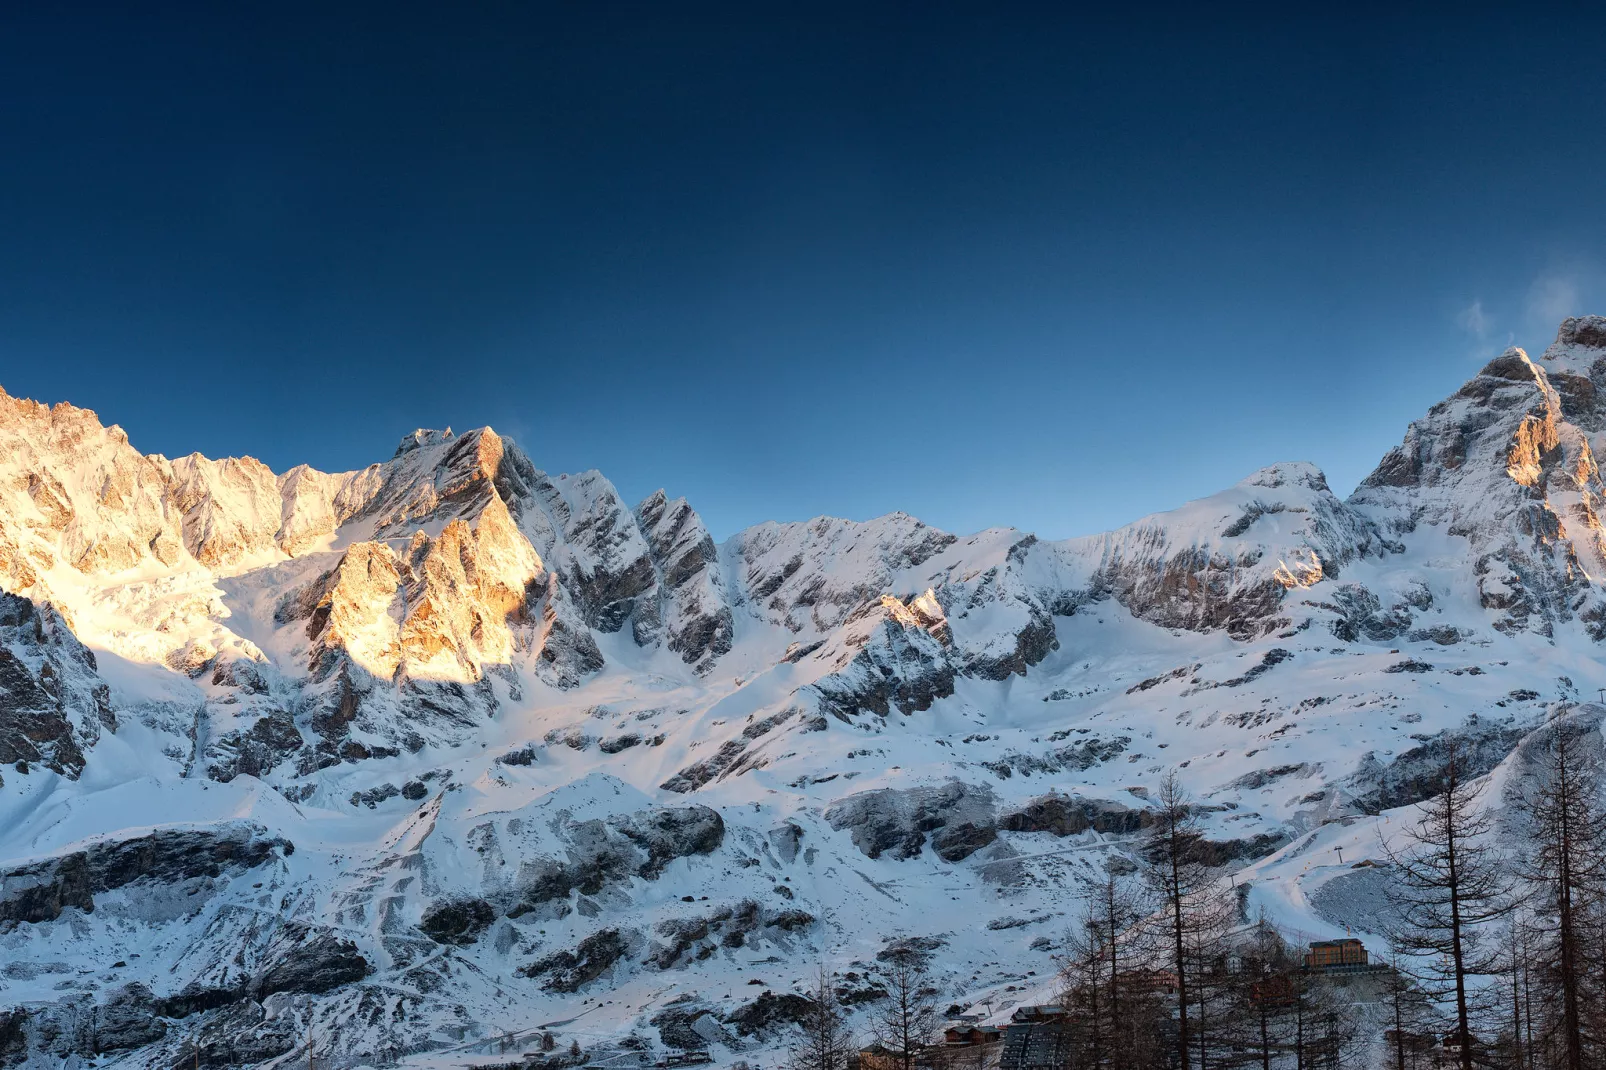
450,747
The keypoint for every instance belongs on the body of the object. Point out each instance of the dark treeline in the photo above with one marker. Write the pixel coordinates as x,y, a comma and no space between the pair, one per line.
1497,950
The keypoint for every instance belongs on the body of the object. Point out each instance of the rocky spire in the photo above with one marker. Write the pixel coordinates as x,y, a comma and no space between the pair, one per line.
1506,463
691,610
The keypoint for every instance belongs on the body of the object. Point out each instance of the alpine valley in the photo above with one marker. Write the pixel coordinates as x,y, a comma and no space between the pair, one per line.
448,750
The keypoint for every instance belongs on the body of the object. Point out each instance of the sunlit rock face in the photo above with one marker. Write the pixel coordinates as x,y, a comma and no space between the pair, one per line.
464,587
434,477
347,610
231,508
402,638
307,508
433,607
429,750
77,494
1508,464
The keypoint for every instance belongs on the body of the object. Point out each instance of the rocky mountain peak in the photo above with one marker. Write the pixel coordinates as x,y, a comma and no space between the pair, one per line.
78,496
231,508
422,437
1229,561
477,700
1507,463
1289,473
1578,333
693,605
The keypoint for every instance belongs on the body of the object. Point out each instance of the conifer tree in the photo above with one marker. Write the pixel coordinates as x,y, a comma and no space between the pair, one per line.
1449,883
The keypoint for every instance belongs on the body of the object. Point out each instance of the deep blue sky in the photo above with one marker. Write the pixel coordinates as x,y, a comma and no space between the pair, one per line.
987,268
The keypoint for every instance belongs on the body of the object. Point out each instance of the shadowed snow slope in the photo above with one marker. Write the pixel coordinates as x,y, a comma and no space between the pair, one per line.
450,746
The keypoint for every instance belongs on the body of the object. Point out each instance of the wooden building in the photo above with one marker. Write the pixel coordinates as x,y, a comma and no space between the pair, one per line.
1335,954
965,1035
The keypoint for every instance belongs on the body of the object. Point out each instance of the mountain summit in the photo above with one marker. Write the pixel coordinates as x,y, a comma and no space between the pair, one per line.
449,747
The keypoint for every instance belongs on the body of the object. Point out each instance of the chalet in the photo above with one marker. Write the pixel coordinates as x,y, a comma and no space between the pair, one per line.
968,1046
1039,1012
1336,954
880,1057
967,1035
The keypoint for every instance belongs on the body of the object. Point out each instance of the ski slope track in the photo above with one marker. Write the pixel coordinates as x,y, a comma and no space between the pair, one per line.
449,748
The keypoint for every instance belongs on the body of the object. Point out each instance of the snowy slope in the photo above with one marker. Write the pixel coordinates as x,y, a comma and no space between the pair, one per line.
450,747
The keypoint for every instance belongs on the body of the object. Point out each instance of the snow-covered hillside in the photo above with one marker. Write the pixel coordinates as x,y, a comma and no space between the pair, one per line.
449,747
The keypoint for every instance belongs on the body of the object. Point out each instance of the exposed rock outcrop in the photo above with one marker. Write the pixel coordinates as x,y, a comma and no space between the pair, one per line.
815,575
1229,561
309,959
53,705
897,822
1506,463
1062,815
39,891
600,853
1418,773
693,608
570,971
886,660
457,921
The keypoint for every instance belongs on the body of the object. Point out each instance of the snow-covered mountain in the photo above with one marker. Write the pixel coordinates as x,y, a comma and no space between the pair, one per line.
449,747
